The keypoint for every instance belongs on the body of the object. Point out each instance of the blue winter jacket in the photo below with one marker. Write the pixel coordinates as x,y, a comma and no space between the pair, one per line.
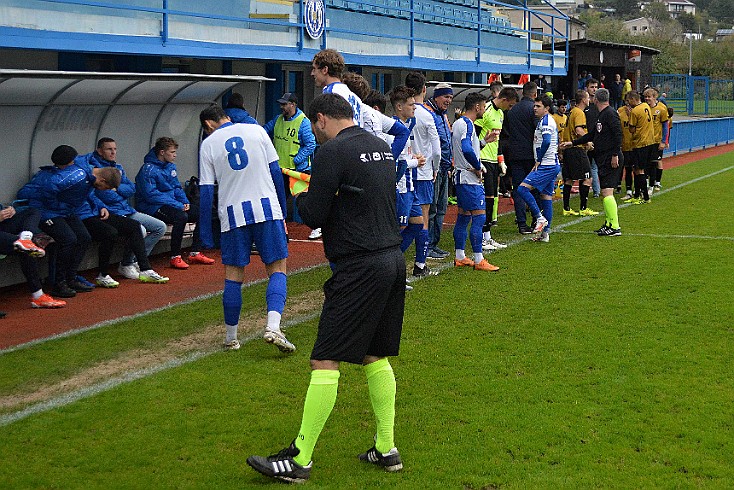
116,201
157,185
238,115
63,192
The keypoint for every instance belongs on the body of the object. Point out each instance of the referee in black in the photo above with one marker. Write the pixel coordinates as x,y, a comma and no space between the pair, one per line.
352,199
606,134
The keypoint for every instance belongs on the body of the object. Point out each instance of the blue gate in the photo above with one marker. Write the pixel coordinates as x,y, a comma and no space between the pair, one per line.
696,95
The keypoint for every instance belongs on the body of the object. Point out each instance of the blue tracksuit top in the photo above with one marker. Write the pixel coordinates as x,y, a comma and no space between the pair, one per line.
63,192
157,185
241,116
444,134
116,201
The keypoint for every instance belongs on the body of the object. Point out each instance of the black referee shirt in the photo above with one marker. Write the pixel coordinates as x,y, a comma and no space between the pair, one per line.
606,133
361,219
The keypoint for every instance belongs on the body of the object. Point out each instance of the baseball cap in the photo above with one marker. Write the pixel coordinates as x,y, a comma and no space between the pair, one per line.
288,97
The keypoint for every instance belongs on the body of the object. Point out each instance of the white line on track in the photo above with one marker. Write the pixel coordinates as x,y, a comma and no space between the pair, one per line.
139,374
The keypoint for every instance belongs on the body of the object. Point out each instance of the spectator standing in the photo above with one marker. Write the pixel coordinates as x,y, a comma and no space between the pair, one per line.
294,143
615,91
116,202
439,104
159,193
251,208
520,125
362,316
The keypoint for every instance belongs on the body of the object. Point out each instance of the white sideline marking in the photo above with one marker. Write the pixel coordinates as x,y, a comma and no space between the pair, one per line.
106,323
132,376
103,386
653,235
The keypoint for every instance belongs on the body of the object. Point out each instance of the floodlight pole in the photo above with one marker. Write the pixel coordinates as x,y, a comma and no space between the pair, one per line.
690,53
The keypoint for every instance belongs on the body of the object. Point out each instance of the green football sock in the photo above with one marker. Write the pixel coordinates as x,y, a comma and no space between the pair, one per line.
495,208
381,383
610,209
317,407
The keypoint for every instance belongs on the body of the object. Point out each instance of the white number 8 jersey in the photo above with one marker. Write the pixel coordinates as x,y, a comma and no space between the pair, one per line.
238,156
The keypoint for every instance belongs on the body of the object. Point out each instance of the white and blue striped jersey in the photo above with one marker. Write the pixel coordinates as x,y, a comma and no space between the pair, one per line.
427,142
407,181
339,88
463,129
546,127
238,157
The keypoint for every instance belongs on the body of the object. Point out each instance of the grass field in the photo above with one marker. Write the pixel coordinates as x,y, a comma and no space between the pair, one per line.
585,362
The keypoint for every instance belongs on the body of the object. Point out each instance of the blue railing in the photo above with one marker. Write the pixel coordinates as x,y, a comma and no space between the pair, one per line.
696,95
696,134
459,15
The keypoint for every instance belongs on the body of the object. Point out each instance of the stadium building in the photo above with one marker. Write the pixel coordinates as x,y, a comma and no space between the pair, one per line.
75,70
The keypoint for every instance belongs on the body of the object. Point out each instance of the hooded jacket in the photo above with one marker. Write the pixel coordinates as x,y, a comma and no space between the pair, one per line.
61,192
157,185
116,201
238,115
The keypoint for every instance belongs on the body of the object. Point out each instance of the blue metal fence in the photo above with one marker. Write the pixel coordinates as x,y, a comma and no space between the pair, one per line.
697,134
696,95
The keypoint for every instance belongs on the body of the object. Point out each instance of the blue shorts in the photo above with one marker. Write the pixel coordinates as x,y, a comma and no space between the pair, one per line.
544,178
470,197
423,192
406,207
268,236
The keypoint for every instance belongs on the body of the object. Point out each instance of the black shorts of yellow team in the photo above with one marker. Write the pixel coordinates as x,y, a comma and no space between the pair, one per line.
644,156
576,165
629,159
609,177
363,308
491,178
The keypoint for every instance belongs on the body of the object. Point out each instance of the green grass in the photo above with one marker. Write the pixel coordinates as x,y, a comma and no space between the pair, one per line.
585,362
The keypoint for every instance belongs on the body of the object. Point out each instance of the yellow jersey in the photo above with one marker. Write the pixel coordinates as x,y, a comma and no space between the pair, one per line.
576,119
641,119
659,117
624,118
561,120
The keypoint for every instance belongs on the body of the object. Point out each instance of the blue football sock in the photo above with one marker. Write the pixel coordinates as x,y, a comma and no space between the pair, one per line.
460,233
547,212
409,234
421,246
232,301
475,236
276,292
527,196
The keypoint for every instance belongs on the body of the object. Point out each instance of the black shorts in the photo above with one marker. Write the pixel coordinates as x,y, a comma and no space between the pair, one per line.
363,309
576,165
643,156
491,178
629,160
609,178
